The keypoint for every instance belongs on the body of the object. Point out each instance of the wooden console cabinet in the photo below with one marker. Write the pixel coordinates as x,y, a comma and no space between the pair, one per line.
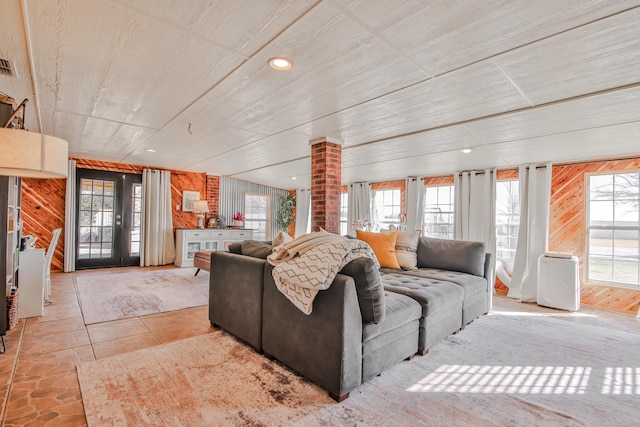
190,241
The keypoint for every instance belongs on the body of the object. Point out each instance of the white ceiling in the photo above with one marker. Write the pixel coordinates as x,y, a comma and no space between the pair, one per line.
404,84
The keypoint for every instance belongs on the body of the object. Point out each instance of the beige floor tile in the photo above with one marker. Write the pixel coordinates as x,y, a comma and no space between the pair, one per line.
40,326
124,345
54,342
116,329
175,325
55,312
68,415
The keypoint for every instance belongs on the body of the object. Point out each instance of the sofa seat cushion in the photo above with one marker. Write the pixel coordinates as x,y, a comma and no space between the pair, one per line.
470,283
399,310
433,295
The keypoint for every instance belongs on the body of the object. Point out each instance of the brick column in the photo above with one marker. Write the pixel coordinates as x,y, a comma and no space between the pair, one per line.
213,194
326,166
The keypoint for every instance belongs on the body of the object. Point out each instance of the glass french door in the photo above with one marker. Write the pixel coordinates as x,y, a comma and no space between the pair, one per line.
108,219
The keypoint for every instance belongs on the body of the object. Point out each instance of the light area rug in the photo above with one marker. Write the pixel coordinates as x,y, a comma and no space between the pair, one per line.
124,294
507,368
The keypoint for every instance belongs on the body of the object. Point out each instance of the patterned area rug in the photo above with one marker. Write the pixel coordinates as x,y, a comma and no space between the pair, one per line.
508,368
208,380
123,294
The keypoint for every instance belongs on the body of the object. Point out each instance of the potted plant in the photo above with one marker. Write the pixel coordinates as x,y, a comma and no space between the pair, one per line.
286,214
238,219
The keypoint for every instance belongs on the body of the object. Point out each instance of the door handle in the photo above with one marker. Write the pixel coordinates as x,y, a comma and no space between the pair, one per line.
118,223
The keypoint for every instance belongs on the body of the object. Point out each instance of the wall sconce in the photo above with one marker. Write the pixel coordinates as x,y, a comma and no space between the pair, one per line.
200,207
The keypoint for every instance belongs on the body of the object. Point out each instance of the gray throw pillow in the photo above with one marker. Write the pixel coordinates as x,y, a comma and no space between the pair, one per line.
368,287
235,248
256,249
455,255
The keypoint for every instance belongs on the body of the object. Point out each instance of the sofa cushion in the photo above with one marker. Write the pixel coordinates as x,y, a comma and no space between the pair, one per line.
235,248
400,310
470,283
368,287
454,255
433,295
256,249
383,245
407,249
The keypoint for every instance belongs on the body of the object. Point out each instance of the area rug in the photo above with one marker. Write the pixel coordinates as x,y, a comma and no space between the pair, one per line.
123,294
507,368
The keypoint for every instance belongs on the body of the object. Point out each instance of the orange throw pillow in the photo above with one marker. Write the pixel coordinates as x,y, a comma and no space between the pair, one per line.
383,245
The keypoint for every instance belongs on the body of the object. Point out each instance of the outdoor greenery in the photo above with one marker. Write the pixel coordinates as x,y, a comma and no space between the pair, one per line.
286,214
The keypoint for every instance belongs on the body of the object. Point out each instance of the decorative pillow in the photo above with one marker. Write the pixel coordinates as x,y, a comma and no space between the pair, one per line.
455,255
383,245
281,238
368,287
235,248
407,249
256,249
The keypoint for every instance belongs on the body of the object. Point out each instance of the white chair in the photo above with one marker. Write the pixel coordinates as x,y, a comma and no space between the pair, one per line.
47,261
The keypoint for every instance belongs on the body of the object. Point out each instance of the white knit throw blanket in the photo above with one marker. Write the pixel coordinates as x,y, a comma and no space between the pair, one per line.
309,264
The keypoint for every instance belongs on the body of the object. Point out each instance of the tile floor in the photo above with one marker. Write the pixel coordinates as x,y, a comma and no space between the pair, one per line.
38,378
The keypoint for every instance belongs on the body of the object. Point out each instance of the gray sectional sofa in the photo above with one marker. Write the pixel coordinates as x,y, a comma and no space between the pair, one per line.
366,322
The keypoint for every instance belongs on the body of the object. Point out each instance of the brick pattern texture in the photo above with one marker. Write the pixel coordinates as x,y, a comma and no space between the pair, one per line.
326,167
213,194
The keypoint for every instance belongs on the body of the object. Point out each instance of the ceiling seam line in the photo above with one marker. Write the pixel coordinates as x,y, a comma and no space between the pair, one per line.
226,76
513,83
497,115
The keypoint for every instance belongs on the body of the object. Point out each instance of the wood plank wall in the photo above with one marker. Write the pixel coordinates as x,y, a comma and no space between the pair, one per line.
568,225
43,202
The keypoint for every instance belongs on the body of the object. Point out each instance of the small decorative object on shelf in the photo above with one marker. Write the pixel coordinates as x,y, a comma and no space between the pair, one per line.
363,225
238,219
403,221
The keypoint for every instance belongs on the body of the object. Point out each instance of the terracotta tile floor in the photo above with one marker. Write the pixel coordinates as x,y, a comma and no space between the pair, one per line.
38,382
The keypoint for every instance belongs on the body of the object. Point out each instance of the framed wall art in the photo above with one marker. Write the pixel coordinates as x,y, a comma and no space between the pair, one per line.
188,199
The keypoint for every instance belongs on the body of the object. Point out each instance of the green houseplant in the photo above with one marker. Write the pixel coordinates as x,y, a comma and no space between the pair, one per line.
286,214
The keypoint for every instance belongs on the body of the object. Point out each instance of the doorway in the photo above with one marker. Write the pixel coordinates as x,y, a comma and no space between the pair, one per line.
108,218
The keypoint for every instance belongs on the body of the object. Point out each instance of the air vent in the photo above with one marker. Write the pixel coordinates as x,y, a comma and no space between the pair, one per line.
7,68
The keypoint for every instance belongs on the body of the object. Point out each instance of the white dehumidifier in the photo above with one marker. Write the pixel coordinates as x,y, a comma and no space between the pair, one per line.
558,281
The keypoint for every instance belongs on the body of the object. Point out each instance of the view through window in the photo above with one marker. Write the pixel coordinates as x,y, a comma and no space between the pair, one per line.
507,219
439,216
344,205
614,228
256,215
386,208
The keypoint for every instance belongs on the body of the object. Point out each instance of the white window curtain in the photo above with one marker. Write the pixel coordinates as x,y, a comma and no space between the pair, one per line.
157,247
70,220
303,210
415,203
475,211
533,235
359,206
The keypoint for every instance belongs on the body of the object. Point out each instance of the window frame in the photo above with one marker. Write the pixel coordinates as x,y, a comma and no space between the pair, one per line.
267,221
452,212
509,223
379,223
344,213
613,228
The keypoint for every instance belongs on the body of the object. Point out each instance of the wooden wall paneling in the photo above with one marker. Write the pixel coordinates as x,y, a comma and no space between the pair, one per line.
42,212
190,181
568,227
438,180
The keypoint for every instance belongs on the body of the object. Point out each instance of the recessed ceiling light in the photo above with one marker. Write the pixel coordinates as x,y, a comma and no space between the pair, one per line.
150,150
293,177
466,150
280,63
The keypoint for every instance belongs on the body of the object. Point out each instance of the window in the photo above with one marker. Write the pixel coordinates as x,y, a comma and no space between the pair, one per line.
614,227
256,215
136,220
387,208
438,211
344,205
507,219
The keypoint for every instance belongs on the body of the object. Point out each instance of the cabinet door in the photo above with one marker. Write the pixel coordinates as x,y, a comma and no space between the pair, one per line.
193,246
210,245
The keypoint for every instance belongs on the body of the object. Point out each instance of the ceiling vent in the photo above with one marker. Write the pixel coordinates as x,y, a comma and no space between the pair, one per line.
7,68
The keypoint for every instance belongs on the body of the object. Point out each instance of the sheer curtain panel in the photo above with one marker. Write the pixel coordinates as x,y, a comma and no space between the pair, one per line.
303,208
533,236
475,211
359,205
415,203
70,220
158,247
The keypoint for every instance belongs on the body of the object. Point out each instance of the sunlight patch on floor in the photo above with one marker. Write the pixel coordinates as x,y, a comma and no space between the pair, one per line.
531,314
505,380
621,380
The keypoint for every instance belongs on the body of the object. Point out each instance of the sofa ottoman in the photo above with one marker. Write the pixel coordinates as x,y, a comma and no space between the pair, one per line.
441,304
202,260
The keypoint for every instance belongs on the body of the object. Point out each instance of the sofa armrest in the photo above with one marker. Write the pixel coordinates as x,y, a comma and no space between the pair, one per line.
489,269
235,295
325,346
